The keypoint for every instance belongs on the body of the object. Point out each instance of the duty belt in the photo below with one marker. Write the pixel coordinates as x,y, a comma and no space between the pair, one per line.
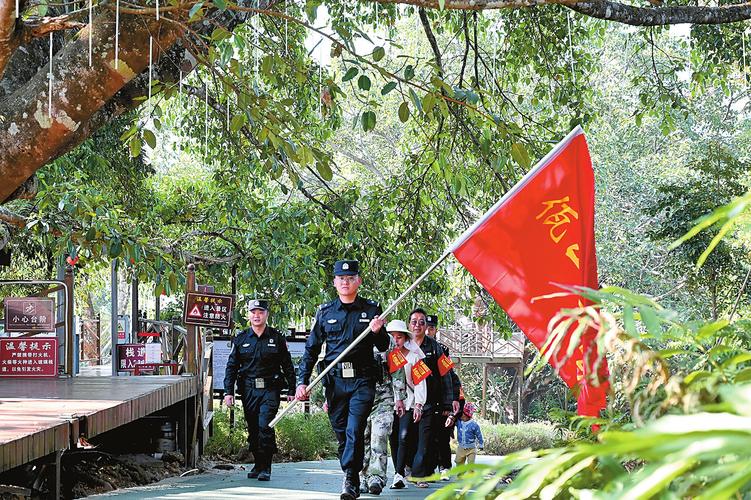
347,369
263,382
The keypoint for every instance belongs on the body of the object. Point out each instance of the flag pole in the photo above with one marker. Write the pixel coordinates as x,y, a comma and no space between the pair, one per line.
360,337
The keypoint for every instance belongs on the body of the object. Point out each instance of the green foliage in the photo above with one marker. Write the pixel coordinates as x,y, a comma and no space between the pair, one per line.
227,442
299,437
503,439
302,436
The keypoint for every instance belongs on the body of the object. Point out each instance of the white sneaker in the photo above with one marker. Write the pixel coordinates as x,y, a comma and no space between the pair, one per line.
445,475
398,483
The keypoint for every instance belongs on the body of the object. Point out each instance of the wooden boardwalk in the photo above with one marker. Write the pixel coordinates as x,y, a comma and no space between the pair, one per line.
39,417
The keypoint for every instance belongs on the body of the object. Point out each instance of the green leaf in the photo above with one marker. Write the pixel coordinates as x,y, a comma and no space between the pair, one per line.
378,53
409,72
363,82
150,138
135,146
388,88
220,4
238,122
324,170
650,320
520,155
441,4
220,34
368,121
404,112
194,10
350,74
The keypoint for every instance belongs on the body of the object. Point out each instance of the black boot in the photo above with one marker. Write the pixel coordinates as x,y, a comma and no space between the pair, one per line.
264,467
257,466
351,487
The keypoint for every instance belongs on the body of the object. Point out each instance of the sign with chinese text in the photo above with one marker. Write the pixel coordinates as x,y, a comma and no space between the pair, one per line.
208,309
130,355
28,357
29,314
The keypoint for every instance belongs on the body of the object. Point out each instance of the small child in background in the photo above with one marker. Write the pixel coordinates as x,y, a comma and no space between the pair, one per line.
468,436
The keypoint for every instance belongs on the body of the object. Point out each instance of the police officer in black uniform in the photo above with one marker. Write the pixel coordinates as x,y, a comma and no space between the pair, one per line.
440,399
443,434
262,366
350,385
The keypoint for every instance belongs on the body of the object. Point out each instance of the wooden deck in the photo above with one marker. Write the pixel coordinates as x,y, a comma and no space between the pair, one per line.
41,416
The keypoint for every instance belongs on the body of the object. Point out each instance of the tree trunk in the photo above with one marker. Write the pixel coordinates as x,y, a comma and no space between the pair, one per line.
34,134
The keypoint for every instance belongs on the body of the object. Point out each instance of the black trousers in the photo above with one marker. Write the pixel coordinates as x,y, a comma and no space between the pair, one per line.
260,407
350,402
443,446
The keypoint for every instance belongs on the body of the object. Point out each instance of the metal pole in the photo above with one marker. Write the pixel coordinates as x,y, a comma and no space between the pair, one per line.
134,314
113,315
364,334
69,331
190,337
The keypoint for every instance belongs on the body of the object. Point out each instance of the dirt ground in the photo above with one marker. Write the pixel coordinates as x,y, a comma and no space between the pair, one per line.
89,472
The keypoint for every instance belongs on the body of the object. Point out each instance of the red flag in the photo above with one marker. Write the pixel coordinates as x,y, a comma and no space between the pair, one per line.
420,372
396,360
444,364
539,234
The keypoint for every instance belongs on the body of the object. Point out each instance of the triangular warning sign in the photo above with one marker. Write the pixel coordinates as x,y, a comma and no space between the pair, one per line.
195,312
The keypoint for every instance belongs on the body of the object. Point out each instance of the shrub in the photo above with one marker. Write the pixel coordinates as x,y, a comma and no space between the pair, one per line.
299,437
502,439
303,436
226,442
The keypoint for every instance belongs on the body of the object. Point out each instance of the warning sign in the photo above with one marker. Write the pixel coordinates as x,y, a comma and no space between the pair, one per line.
209,309
28,357
195,312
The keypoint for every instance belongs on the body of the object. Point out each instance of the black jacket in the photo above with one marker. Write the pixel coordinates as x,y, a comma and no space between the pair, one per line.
338,325
254,357
440,388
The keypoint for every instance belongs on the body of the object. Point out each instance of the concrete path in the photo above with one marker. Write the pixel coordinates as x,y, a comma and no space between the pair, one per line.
290,481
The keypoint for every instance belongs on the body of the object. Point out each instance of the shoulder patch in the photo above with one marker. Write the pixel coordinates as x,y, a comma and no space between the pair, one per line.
326,305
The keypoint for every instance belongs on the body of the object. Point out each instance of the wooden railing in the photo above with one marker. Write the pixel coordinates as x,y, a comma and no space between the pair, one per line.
463,341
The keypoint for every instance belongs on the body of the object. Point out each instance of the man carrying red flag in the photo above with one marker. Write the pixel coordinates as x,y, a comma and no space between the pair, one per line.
539,235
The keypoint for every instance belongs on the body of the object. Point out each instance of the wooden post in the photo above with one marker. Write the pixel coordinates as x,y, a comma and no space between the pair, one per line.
70,335
520,383
190,337
484,406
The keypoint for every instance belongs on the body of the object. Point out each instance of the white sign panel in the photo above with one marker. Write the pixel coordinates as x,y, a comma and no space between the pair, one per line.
219,355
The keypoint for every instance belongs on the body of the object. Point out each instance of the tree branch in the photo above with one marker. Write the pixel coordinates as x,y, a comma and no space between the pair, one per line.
605,9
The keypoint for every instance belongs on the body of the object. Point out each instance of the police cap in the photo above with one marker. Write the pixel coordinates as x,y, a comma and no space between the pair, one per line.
346,268
431,320
258,304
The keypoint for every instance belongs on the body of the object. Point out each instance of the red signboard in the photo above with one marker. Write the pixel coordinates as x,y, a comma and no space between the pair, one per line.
130,355
208,309
28,357
29,314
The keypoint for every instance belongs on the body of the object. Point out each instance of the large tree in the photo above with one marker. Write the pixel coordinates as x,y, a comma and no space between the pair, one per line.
88,92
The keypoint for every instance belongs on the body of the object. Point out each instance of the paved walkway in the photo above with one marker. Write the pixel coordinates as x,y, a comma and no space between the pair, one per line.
290,481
